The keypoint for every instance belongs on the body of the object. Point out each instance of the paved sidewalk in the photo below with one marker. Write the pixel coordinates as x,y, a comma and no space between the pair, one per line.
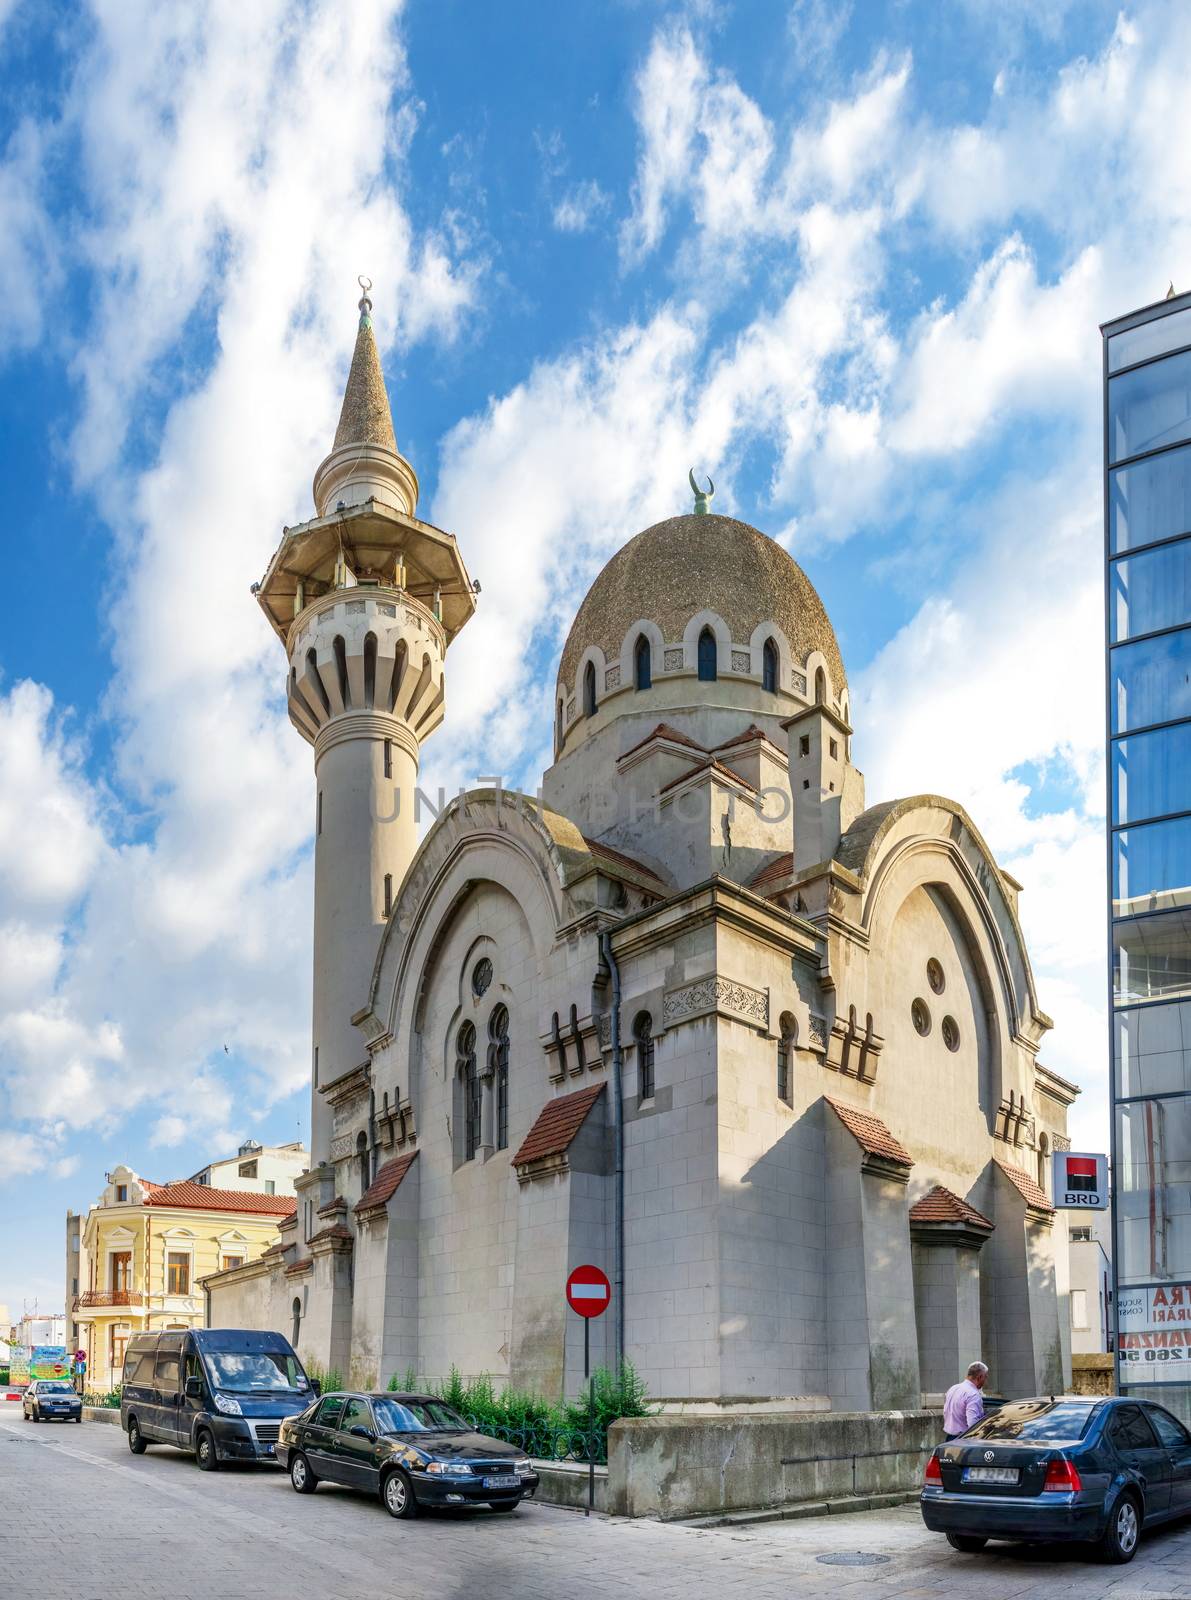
84,1520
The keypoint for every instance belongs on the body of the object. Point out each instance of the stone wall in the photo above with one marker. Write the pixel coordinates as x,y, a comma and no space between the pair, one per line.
680,1466
1092,1374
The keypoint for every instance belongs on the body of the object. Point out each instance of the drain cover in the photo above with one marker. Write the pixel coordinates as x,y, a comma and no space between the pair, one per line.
852,1558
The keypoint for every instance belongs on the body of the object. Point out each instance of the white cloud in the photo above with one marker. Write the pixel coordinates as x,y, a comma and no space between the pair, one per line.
241,166
581,207
668,89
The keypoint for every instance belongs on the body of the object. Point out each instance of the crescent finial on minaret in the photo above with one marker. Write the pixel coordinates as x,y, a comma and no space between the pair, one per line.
702,496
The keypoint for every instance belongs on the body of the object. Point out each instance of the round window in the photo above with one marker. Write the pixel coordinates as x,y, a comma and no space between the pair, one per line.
950,1032
934,976
481,977
920,1017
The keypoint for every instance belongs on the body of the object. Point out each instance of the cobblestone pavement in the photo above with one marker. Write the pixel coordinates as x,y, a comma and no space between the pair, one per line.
81,1519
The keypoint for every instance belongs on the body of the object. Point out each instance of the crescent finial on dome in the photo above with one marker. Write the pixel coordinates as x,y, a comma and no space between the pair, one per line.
702,496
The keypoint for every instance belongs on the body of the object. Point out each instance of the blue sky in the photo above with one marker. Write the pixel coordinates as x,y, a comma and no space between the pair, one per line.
848,259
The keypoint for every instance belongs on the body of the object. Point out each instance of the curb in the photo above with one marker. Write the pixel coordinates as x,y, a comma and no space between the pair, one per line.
800,1509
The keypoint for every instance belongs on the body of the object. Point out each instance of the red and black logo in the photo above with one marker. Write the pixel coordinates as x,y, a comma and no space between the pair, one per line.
1081,1173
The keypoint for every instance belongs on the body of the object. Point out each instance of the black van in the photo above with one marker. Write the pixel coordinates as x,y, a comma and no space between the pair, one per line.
221,1392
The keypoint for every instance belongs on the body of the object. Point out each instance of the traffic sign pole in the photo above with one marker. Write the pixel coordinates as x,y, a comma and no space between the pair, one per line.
588,1294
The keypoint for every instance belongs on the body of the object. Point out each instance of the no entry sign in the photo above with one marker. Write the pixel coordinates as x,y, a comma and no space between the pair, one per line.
588,1291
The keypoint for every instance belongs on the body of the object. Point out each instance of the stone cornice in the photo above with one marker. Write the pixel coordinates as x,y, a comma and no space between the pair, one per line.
717,899
352,1082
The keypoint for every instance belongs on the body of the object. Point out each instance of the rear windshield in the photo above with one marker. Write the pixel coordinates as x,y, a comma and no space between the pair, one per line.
1065,1420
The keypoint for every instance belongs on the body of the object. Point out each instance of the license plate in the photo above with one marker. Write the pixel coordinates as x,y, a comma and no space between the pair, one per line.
990,1474
506,1480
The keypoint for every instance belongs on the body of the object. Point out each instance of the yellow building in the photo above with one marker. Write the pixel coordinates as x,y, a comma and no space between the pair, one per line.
144,1249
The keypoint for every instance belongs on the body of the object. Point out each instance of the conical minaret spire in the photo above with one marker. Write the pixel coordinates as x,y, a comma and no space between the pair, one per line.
365,463
366,417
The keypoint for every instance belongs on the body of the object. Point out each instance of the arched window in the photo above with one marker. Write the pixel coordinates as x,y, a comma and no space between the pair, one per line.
469,1080
643,664
345,691
363,1162
770,667
820,686
558,724
297,1328
498,1055
369,669
643,1035
1043,1162
589,690
788,1030
707,666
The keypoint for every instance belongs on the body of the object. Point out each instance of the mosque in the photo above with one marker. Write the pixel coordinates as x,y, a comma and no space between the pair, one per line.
700,1015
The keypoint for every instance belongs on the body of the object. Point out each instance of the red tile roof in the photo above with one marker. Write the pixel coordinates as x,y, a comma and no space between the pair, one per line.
386,1183
557,1124
199,1197
619,859
870,1133
940,1205
299,1266
335,1231
711,765
750,733
1030,1192
664,731
781,868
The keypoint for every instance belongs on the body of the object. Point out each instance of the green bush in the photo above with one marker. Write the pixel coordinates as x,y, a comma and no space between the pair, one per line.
329,1379
549,1431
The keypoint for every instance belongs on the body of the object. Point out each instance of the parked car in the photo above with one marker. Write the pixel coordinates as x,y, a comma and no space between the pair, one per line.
409,1449
50,1400
221,1392
1067,1468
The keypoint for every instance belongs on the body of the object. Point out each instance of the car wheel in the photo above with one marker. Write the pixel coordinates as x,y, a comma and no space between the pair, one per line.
300,1475
398,1495
1119,1542
136,1439
970,1543
204,1452
505,1506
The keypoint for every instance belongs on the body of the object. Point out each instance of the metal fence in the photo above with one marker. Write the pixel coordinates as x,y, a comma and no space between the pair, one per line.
544,1441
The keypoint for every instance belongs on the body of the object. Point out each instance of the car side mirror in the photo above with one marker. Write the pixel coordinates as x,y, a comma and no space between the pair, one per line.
362,1433
194,1388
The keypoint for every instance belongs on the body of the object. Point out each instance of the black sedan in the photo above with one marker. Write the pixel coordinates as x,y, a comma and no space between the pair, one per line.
1071,1468
410,1449
51,1400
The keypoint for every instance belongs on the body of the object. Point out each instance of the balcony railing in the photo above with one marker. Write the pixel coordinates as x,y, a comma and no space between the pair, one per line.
108,1297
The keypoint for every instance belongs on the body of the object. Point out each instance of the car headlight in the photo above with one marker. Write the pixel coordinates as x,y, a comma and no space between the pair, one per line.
230,1408
523,1467
449,1469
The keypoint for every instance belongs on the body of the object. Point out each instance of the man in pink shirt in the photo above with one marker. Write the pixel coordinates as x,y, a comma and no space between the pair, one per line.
964,1407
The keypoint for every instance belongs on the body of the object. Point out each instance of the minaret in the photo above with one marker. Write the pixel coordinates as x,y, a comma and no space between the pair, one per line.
366,599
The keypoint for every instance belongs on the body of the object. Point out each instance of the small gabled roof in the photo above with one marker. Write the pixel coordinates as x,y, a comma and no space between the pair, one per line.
1033,1195
386,1183
617,858
941,1205
664,731
556,1125
870,1133
772,872
710,765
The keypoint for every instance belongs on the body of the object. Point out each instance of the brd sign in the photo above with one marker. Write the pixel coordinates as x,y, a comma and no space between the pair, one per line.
1080,1181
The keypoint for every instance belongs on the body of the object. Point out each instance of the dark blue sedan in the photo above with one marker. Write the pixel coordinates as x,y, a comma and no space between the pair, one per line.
1067,1468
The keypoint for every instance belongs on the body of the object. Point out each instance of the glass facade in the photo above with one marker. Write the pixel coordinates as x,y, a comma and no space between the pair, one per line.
1147,534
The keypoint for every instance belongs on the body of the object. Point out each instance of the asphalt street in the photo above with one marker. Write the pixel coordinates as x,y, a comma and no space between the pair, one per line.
82,1519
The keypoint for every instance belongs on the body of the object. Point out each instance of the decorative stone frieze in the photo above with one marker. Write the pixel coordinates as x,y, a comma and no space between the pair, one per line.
798,682
742,661
672,661
816,1031
719,995
342,1147
612,678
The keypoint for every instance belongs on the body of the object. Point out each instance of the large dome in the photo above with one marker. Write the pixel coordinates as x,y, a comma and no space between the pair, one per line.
688,564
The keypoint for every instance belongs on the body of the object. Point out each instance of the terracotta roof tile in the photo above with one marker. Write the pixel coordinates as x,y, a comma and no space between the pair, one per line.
664,731
940,1205
1034,1197
750,733
335,1231
386,1183
710,765
618,858
198,1197
870,1133
557,1123
781,868
299,1266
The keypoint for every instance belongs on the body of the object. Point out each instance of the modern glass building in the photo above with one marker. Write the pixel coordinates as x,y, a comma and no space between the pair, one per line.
1147,515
